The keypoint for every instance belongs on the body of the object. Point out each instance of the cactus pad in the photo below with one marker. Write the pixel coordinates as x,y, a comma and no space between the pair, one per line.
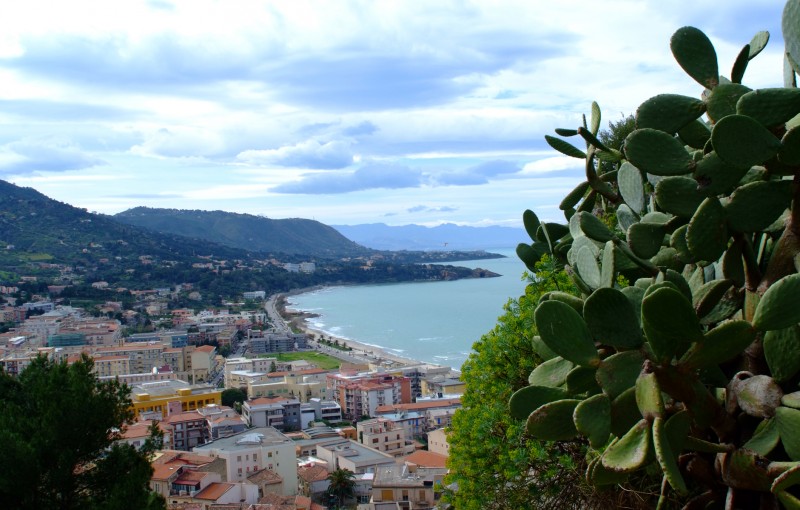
755,206
553,421
666,455
790,147
551,373
669,322
645,239
565,148
739,140
782,352
658,153
709,295
632,451
593,228
770,107
679,195
648,396
566,333
765,438
612,319
574,196
618,373
720,344
526,400
631,186
696,55
715,176
707,235
778,308
722,100
788,421
592,418
669,112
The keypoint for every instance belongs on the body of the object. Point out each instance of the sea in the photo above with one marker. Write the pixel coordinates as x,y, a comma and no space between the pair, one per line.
435,322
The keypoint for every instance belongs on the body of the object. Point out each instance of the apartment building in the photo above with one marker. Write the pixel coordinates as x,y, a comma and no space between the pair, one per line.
155,397
279,412
362,394
405,486
385,436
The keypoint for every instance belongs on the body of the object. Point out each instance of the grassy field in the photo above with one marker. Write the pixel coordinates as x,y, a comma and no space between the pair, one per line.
322,360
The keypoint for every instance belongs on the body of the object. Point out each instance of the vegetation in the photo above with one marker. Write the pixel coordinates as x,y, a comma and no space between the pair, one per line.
342,483
232,396
691,373
58,425
321,360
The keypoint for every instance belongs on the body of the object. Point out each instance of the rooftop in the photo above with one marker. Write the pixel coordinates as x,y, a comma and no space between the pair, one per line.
313,473
424,458
418,406
246,440
214,491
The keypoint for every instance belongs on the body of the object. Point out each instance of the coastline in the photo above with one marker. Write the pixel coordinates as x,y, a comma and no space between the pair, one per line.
360,353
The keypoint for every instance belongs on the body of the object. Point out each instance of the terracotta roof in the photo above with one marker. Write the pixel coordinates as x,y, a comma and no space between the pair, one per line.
424,458
313,473
271,400
184,416
191,477
141,429
418,405
206,348
214,491
164,471
266,477
278,501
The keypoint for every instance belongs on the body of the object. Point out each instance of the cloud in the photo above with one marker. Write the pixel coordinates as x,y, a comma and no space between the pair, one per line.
29,156
63,110
308,154
363,129
478,174
148,195
370,176
427,209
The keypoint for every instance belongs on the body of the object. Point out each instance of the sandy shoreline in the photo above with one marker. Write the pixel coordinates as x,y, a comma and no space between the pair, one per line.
362,352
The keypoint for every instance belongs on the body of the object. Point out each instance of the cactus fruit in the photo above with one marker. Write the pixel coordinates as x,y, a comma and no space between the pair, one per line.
699,358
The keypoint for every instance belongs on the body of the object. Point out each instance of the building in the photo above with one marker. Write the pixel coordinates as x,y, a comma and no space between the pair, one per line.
254,450
111,366
188,429
405,486
385,436
154,397
351,455
137,433
437,442
326,410
222,421
441,385
179,474
281,413
362,394
436,413
257,294
277,342
203,362
313,480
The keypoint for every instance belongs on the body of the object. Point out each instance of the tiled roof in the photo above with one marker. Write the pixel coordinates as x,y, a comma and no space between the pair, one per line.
424,458
266,477
419,405
313,473
214,491
184,416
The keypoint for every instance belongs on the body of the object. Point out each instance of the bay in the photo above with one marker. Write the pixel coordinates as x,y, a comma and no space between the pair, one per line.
435,322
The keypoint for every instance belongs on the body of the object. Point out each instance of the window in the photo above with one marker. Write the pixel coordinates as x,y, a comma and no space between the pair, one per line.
269,454
240,471
375,440
247,457
255,457
238,458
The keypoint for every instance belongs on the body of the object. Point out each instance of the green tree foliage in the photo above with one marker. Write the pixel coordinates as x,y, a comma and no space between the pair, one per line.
57,427
491,460
231,396
342,483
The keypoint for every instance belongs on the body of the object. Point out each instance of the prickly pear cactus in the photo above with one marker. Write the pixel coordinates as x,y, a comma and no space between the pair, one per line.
692,369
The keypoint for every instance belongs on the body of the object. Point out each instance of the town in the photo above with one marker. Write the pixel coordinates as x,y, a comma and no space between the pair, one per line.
248,413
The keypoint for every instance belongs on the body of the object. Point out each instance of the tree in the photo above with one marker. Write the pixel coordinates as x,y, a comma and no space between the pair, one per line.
231,396
493,463
58,424
273,367
341,484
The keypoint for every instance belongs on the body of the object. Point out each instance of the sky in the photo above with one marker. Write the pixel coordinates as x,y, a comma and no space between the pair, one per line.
343,111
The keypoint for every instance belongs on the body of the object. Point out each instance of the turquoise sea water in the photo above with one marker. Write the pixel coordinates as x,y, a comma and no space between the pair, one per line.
435,322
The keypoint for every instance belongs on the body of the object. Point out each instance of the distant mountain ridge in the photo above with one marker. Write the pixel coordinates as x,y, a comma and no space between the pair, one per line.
447,236
245,231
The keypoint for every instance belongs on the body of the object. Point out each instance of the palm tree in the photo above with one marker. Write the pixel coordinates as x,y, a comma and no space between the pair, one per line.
341,484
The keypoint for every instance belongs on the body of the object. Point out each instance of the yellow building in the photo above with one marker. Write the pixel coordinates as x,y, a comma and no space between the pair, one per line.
156,396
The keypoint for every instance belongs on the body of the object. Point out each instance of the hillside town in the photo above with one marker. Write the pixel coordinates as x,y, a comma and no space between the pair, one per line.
383,419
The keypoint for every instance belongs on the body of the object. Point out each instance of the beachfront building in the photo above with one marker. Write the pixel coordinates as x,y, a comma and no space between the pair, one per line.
435,413
254,450
276,342
361,394
385,436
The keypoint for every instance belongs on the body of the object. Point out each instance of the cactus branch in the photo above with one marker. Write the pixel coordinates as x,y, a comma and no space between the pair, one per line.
782,261
752,272
596,183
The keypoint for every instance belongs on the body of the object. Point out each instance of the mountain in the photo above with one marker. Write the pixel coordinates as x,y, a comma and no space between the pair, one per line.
36,227
447,236
247,232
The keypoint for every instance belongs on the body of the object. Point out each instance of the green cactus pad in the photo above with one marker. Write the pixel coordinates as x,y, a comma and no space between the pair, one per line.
722,100
791,400
595,119
739,140
530,254
770,107
624,412
782,352
707,235
740,64
695,134
645,239
658,153
790,25
565,148
550,233
599,476
541,349
733,265
592,418
765,438
719,345
553,421
556,295
626,217
758,395
709,295
755,206
790,147
677,279
695,54
669,322
715,176
634,295
526,400
758,43
631,186
787,499
581,380
743,469
666,455
608,266
618,373
612,319
786,479
632,451
788,421
593,228
778,308
648,396
669,112
552,373
587,267
531,223
676,429
588,203
566,132
678,241
574,196
679,195
566,333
